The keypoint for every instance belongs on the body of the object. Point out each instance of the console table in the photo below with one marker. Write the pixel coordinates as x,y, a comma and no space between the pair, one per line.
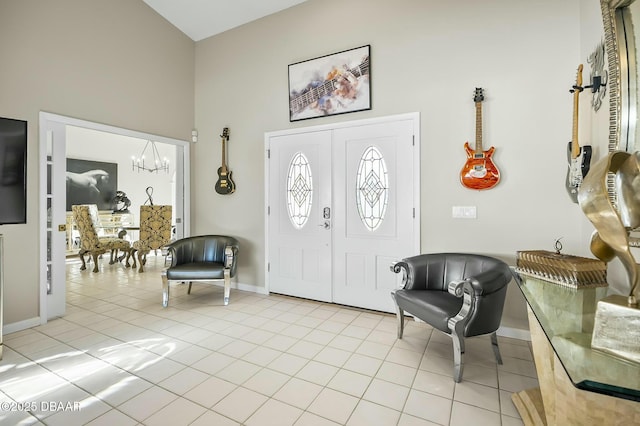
578,385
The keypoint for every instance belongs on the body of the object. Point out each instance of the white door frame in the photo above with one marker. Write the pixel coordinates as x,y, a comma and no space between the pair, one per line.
413,116
182,192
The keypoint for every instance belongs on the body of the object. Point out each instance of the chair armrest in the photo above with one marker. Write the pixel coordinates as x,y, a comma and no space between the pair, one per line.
466,290
398,267
414,272
458,288
173,252
230,253
490,281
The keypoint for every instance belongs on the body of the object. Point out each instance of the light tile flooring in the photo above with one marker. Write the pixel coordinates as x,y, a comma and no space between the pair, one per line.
118,358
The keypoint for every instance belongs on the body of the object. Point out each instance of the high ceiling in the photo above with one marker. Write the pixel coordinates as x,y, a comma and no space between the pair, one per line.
200,19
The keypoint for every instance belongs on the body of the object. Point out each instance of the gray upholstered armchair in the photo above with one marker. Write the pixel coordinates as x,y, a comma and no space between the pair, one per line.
459,294
201,258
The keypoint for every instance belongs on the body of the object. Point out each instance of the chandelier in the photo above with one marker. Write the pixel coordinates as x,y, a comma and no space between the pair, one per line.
155,164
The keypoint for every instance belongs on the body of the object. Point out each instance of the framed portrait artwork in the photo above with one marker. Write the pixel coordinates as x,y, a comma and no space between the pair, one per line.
333,84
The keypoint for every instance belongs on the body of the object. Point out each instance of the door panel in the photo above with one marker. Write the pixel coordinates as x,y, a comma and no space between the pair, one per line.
53,219
299,244
363,252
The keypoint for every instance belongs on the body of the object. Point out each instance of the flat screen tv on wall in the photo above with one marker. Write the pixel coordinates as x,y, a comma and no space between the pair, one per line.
13,171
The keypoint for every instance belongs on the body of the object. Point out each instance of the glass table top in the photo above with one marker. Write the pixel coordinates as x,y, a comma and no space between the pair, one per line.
567,317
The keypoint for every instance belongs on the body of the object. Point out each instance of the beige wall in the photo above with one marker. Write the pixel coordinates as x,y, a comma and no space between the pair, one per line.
115,62
426,56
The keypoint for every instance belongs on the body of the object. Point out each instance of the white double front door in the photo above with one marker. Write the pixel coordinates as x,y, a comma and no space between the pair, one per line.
342,205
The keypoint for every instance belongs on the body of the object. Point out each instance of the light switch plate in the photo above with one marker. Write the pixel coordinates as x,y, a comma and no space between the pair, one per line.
464,212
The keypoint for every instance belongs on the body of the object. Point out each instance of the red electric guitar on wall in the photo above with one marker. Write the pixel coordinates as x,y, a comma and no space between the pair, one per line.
479,172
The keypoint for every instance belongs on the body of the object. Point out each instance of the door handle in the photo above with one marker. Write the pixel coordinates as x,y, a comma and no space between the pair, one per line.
326,224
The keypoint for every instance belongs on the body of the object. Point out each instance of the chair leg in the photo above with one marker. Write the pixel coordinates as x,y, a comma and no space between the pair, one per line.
133,256
112,258
141,261
165,289
496,348
84,264
399,316
227,286
189,290
126,262
458,356
95,261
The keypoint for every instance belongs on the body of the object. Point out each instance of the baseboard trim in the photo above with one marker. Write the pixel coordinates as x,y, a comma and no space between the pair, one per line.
251,288
238,286
514,333
20,325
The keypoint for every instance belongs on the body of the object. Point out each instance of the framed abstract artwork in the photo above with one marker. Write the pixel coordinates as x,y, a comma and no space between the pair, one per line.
328,85
91,182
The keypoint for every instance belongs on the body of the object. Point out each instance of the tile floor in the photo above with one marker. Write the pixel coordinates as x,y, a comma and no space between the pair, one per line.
118,358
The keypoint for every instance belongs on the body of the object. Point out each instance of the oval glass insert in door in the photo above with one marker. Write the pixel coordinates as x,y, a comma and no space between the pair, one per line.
372,188
299,190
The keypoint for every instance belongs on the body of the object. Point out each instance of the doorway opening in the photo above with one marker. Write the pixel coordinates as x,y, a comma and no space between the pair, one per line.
113,147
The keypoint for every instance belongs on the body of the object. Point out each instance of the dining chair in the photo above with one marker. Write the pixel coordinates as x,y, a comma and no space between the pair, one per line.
86,219
155,233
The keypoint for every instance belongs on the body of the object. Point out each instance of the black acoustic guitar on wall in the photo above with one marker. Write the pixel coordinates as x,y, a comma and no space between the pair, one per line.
224,185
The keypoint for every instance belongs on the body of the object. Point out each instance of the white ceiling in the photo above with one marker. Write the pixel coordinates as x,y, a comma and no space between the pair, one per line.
200,19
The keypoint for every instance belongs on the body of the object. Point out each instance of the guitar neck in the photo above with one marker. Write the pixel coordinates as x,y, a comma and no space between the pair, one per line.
478,147
224,153
313,94
575,147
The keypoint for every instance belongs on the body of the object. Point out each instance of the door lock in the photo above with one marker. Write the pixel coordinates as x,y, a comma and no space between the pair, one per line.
326,213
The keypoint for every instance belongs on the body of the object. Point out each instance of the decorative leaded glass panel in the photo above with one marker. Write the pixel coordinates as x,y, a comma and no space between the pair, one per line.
372,188
299,190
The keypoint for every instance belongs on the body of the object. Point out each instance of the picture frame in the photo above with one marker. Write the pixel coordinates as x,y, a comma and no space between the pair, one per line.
328,85
91,182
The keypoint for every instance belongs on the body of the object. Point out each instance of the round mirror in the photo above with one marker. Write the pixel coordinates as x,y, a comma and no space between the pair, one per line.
631,19
621,40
